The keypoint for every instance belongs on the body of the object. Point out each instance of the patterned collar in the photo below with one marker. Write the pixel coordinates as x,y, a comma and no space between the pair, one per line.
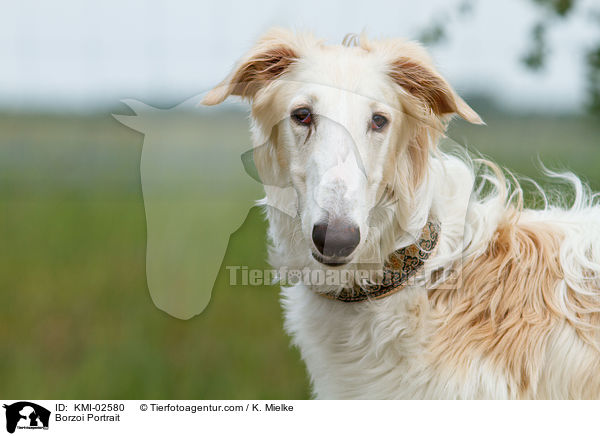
401,266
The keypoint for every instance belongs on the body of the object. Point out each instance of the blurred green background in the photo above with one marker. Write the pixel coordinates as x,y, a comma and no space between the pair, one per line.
76,319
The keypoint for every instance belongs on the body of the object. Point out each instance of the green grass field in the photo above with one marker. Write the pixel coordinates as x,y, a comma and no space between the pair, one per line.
76,318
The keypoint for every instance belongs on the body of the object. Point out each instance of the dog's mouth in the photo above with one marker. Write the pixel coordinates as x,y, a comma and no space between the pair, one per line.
330,260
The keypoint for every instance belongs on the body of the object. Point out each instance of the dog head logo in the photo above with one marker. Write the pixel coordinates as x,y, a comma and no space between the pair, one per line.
26,415
191,185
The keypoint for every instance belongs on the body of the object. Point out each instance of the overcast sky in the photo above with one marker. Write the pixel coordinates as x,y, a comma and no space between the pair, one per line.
76,54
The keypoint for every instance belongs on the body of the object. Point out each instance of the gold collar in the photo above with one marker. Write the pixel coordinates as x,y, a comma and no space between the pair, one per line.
401,266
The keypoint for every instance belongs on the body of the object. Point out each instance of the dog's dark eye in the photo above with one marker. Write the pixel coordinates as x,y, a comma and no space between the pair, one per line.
378,121
302,116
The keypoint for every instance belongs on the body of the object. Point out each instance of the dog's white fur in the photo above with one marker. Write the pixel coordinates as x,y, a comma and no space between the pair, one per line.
510,303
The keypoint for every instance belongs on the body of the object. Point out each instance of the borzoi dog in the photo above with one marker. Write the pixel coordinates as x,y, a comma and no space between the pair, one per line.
443,285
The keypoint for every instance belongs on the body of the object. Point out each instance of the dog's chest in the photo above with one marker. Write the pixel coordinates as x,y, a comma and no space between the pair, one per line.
361,350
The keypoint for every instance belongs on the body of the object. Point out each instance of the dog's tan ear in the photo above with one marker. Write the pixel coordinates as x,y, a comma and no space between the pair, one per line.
269,59
427,85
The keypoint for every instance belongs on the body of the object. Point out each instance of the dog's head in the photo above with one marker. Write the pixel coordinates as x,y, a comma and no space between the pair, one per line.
350,127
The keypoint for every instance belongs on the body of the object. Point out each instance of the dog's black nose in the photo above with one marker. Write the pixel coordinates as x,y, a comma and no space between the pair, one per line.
335,239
